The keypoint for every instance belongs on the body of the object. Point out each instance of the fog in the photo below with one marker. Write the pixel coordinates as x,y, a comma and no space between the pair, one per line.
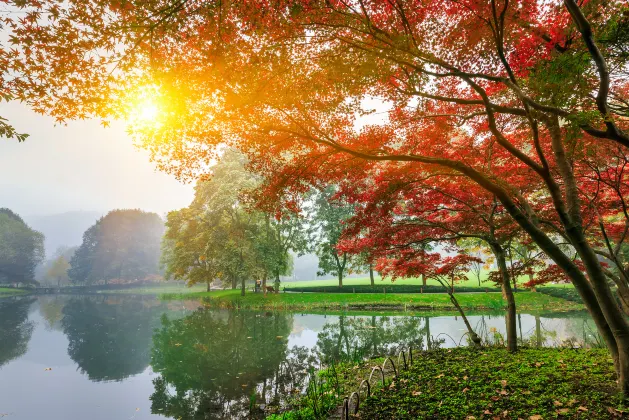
79,167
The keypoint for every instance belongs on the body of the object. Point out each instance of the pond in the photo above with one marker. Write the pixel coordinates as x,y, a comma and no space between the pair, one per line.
125,357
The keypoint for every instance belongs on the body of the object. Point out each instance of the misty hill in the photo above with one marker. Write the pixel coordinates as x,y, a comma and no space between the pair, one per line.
63,229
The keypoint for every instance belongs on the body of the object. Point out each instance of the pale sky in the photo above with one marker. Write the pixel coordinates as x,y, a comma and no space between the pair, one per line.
81,166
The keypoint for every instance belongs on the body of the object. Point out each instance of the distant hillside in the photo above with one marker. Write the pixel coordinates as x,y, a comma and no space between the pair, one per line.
63,229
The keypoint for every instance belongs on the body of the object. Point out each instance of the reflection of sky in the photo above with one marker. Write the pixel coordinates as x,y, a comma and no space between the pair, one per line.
28,391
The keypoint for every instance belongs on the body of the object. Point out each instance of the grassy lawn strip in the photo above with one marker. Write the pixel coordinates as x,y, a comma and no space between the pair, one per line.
362,301
457,384
465,383
6,291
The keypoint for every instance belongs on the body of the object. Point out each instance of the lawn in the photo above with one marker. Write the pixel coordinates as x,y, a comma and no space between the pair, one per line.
465,383
6,291
375,301
472,281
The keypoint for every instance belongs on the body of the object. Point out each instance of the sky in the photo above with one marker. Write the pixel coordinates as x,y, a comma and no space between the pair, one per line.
81,166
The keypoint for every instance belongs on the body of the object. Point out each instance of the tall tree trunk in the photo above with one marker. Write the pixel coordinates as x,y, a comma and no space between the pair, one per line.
234,282
208,285
423,276
276,286
242,286
538,331
340,278
512,333
371,275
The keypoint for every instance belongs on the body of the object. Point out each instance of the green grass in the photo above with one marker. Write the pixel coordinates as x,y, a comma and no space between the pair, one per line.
466,383
6,291
374,301
472,281
159,290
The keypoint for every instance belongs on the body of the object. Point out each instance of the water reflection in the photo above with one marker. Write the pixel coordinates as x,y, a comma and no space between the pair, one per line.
15,329
110,336
137,357
218,363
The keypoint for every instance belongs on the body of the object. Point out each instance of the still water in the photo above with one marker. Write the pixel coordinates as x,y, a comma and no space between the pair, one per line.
132,358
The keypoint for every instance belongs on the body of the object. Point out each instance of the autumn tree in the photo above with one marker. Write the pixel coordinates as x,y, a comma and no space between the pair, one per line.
536,86
59,270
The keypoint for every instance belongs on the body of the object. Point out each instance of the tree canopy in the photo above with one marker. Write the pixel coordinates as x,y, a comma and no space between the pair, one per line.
523,103
21,249
123,246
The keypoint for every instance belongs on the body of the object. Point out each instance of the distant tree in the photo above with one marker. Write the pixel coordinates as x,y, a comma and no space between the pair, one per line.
220,237
59,270
123,245
327,217
21,249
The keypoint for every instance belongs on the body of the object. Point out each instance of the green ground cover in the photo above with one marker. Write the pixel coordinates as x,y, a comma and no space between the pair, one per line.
374,301
465,383
6,291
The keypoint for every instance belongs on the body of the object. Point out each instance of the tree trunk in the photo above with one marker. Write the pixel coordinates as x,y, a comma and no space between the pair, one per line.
264,283
423,276
208,285
538,331
475,338
340,278
512,333
234,283
242,286
371,275
276,286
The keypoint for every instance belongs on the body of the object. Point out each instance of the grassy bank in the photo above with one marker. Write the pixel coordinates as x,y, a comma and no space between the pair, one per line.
464,383
373,301
6,291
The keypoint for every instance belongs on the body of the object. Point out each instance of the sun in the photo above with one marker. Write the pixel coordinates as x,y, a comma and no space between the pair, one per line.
145,109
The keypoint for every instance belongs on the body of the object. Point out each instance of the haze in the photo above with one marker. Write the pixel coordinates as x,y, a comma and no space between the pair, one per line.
81,166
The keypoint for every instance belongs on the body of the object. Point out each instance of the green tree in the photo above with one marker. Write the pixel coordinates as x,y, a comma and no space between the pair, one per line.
327,217
219,237
123,245
21,249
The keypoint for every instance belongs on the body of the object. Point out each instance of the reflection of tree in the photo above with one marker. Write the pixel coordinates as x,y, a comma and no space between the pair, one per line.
51,308
15,329
355,338
109,338
211,362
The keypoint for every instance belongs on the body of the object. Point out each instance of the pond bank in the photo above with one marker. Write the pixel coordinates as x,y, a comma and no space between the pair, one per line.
465,383
526,301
